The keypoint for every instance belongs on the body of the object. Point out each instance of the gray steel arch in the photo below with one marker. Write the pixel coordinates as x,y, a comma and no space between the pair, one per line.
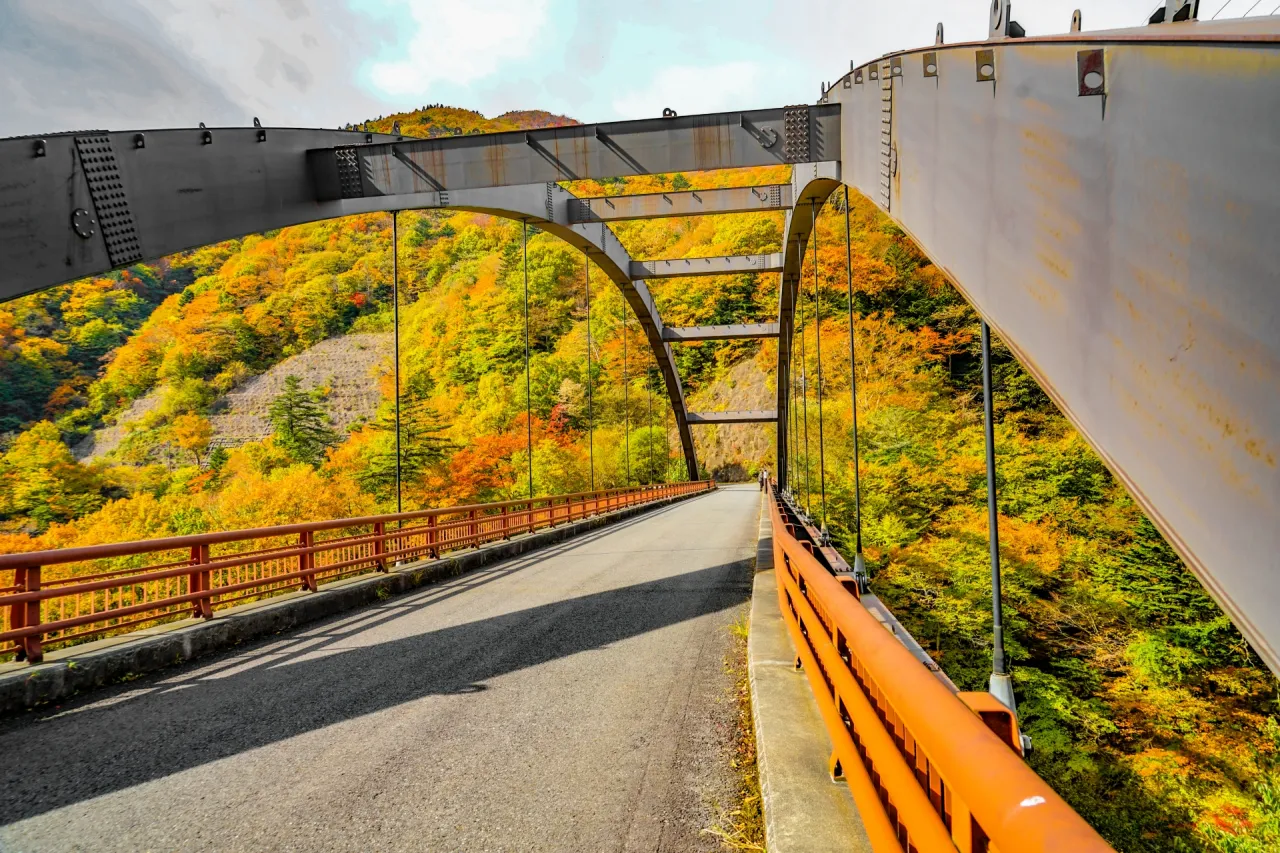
1109,202
811,184
244,186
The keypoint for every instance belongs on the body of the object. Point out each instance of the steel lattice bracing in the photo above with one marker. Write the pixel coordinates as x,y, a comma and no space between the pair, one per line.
765,417
688,203
160,192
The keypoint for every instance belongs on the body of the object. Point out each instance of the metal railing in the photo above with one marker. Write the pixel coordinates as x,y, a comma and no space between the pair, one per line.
930,769
116,588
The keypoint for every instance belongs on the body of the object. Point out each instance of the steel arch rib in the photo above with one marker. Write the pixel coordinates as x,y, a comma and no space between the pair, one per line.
811,184
544,205
1107,202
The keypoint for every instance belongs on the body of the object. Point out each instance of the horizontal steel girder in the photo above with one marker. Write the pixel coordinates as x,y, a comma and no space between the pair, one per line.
696,418
616,149
680,267
1109,203
720,333
690,203
164,191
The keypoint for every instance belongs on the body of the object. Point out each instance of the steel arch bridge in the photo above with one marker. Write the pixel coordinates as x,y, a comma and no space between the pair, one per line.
1108,202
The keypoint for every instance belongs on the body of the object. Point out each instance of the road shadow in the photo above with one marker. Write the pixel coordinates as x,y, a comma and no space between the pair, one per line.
162,725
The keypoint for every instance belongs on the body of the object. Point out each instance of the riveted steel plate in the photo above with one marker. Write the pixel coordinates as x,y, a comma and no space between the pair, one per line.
110,203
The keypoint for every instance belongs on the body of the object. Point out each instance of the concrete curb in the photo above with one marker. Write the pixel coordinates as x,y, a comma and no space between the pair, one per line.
804,811
69,671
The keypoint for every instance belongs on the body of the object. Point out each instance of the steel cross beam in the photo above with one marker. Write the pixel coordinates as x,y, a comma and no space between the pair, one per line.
681,267
773,197
765,417
616,149
720,333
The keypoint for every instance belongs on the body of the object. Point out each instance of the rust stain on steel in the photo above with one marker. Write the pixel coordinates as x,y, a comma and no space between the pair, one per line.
1045,147
581,163
1184,375
1046,294
495,162
711,146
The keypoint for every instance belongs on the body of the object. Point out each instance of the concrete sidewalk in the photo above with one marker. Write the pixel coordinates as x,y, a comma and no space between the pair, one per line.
805,812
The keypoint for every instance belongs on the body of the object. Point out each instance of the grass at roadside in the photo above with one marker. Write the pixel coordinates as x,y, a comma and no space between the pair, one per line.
741,827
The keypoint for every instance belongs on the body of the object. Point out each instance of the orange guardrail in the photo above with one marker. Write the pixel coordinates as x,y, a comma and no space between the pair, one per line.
121,587
924,764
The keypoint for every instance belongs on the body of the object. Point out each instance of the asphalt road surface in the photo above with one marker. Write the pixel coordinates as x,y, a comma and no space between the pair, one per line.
571,699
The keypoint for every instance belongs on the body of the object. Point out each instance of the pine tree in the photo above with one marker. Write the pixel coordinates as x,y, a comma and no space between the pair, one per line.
420,447
301,424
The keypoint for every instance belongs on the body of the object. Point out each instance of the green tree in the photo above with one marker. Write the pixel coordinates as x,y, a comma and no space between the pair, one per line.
421,446
301,423
41,482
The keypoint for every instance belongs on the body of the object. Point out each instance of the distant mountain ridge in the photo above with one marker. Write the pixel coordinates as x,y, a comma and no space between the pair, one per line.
439,120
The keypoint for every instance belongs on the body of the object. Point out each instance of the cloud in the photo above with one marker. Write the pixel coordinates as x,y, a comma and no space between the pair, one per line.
692,89
63,65
460,43
124,64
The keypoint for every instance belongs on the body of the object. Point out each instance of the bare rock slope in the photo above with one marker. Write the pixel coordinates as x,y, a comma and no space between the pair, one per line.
346,367
734,452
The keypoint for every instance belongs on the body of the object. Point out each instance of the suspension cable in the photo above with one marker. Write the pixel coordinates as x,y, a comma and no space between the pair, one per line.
817,335
666,441
626,393
804,399
395,314
591,416
528,378
859,566
997,618
648,389
798,486
791,406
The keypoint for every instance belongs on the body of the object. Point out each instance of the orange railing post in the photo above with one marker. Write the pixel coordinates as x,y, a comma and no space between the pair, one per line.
201,581
506,532
473,530
306,560
380,545
27,614
433,549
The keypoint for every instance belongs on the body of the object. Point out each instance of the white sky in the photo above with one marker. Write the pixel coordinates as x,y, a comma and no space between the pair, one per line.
120,64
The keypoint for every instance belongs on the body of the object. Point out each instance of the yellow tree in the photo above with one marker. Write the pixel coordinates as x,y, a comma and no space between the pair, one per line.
192,433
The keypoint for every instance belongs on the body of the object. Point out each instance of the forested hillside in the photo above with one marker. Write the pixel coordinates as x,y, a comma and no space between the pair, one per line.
1147,709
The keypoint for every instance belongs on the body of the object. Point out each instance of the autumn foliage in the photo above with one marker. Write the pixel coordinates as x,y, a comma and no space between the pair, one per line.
1147,709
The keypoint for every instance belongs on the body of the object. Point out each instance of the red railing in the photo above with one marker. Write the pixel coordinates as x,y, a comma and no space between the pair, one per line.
931,770
70,595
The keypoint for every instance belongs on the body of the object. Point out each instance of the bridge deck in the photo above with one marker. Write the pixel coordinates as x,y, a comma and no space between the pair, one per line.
574,698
